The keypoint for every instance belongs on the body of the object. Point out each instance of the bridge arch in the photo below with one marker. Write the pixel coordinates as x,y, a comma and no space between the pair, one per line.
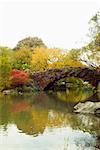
64,83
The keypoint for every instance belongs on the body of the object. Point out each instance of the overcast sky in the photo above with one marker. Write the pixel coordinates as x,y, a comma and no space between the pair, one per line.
60,23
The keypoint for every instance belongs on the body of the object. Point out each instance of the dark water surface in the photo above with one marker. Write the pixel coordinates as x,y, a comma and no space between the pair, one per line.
44,121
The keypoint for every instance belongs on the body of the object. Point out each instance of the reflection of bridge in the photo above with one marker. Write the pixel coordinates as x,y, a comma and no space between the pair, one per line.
47,78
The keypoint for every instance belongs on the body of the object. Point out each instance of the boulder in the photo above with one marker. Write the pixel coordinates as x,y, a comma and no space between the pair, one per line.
88,107
6,92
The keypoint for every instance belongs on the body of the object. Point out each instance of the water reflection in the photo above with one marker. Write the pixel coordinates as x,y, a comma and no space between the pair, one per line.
75,94
45,123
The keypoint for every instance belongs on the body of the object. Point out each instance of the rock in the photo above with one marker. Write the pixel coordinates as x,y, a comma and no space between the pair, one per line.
6,92
88,107
20,93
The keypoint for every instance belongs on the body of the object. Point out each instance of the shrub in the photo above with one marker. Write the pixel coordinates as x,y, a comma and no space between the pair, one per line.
18,78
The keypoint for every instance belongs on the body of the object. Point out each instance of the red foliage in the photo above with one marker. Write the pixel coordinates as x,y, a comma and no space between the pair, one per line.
18,77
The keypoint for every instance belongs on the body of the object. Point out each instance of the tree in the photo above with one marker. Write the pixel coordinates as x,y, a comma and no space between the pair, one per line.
6,55
90,54
40,59
30,43
94,26
44,58
69,58
22,59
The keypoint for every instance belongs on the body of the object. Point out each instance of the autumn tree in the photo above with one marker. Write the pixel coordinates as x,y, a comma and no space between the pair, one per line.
72,58
43,58
22,59
68,58
6,56
30,43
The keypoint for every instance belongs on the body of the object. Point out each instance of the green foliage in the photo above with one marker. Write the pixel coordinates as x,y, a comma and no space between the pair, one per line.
22,59
72,58
75,94
74,54
98,88
92,52
5,67
30,43
75,81
94,25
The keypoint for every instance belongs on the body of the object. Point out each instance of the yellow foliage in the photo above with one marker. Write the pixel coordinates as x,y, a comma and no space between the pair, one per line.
70,60
40,119
65,60
22,53
73,63
42,58
22,58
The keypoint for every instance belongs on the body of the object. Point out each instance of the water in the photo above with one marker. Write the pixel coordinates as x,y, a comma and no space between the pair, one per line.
44,121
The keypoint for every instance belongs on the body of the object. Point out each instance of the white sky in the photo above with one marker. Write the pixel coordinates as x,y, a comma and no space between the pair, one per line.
60,23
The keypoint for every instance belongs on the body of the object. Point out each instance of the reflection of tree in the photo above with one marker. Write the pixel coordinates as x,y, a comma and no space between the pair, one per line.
5,114
59,119
75,94
43,111
32,121
95,97
40,119
24,122
87,123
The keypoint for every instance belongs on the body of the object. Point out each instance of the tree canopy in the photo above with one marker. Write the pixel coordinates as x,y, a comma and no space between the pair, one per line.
30,43
90,53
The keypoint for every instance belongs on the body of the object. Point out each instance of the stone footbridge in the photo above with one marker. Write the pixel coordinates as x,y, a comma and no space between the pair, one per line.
45,79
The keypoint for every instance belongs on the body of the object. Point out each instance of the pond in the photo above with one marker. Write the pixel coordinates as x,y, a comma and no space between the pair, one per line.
45,121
